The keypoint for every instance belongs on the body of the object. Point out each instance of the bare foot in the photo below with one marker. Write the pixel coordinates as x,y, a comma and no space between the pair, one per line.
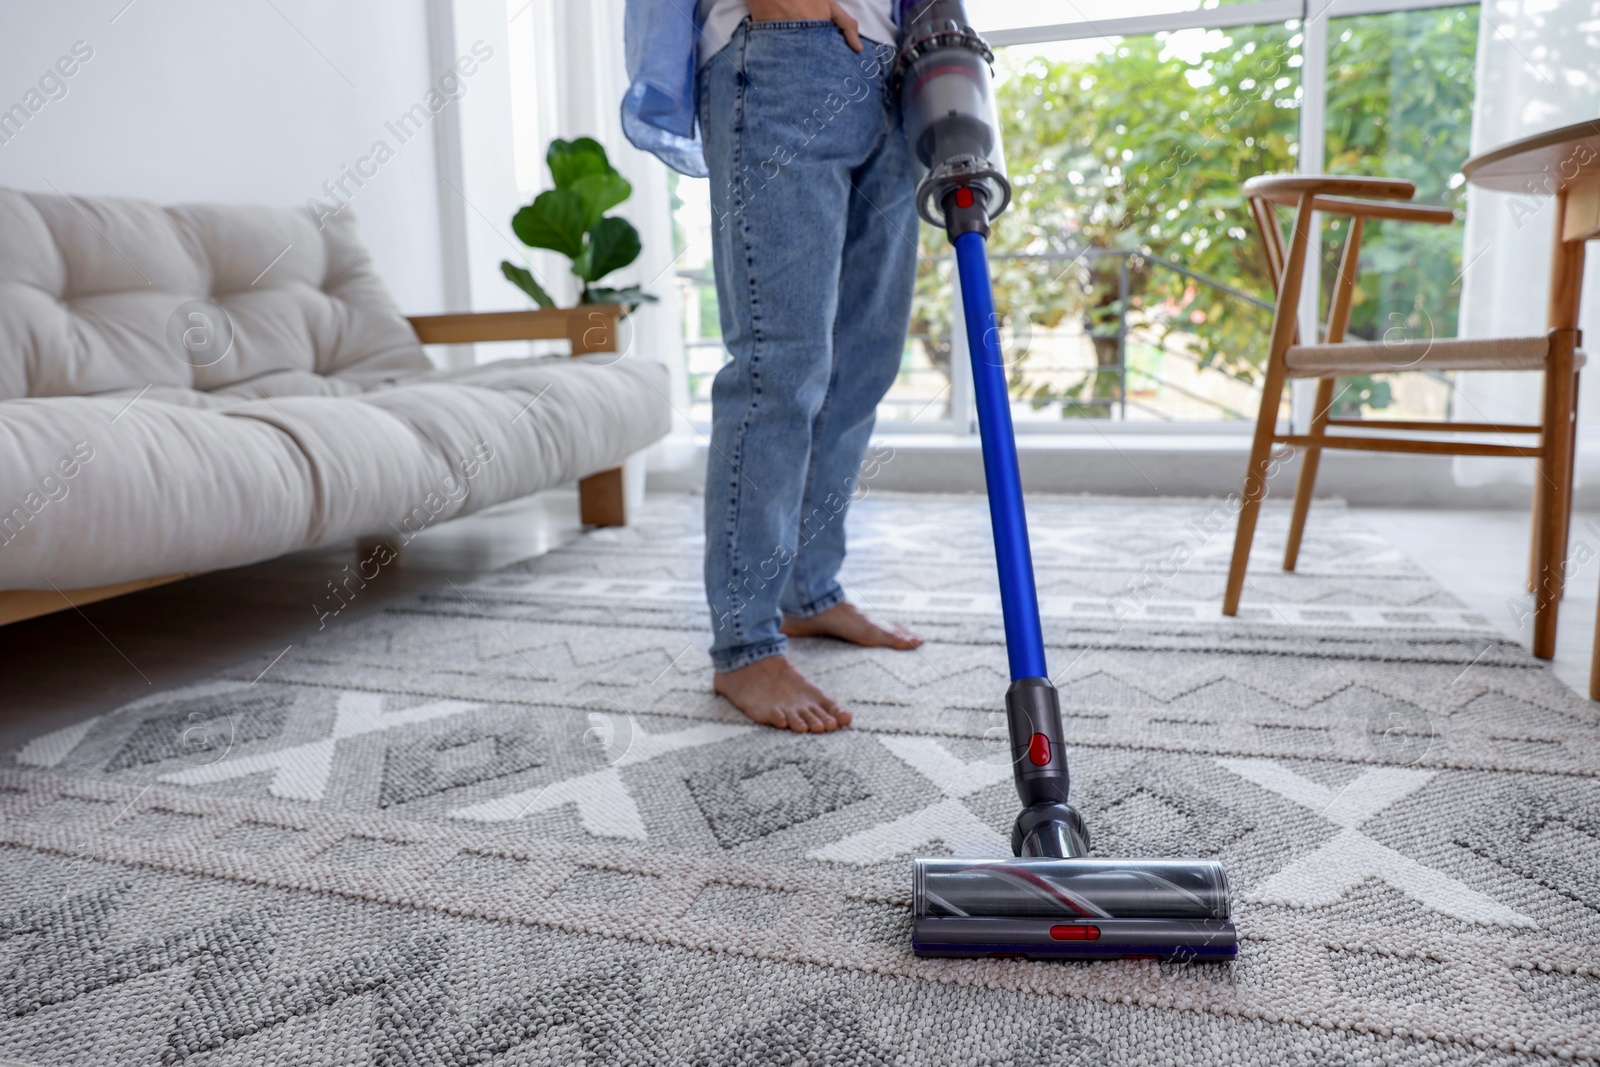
772,692
847,623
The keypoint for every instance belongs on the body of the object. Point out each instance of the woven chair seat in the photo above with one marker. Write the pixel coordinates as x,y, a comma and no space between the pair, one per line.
1383,357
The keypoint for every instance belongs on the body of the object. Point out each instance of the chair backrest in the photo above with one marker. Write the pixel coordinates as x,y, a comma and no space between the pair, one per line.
1270,235
99,294
1356,198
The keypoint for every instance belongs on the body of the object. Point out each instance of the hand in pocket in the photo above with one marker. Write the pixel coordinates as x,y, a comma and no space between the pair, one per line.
808,10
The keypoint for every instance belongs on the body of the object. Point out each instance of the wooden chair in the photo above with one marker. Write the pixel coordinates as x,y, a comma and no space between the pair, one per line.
1555,354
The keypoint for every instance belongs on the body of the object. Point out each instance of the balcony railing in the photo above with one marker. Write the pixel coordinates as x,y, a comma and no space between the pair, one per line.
1109,362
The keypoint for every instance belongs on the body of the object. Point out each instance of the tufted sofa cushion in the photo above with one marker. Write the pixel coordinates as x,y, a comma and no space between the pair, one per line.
96,294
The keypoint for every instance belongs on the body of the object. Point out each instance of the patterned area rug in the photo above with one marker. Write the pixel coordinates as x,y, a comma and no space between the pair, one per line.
507,823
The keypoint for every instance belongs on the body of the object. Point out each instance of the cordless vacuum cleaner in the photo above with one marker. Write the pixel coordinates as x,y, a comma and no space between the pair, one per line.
1053,900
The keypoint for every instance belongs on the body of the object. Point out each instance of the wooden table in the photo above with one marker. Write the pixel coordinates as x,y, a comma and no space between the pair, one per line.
1564,163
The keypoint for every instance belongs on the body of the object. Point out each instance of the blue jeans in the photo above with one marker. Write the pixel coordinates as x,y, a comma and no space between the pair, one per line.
815,247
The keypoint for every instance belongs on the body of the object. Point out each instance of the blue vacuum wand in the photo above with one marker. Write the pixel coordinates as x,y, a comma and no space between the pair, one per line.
1052,900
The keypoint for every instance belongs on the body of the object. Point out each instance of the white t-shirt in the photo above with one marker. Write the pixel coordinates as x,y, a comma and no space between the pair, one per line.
722,17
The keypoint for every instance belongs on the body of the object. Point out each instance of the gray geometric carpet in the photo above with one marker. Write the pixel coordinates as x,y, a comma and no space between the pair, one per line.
508,824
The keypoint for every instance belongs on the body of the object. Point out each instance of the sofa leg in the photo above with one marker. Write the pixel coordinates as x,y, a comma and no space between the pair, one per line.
602,499
378,548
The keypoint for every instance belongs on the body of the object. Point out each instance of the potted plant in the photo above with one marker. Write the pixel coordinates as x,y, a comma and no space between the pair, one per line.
571,219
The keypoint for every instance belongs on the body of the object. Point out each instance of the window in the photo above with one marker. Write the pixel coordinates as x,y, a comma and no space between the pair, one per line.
1119,268
697,290
1400,90
1131,287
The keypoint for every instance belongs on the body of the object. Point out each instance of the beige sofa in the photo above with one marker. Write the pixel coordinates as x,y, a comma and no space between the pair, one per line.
196,387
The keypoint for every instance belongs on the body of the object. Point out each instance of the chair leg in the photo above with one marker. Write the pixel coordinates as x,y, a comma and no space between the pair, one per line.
1560,510
1255,488
1537,524
1561,313
1283,333
1555,465
1537,527
1338,320
1305,485
1569,485
1594,662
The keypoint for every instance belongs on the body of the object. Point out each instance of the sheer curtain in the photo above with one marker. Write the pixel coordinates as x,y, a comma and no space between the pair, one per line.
567,76
1537,69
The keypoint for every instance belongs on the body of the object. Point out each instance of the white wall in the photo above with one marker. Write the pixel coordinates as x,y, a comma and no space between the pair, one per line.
489,170
268,101
243,101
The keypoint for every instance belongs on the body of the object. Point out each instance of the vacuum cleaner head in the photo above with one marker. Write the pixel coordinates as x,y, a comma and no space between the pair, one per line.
1081,907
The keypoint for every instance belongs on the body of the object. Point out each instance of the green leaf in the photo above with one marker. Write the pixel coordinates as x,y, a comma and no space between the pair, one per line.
571,160
556,220
601,193
613,244
522,278
630,298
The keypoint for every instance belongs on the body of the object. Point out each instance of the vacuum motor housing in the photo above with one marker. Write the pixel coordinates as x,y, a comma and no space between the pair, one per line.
943,79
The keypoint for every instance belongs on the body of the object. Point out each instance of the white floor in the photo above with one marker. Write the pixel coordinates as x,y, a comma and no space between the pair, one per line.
1482,558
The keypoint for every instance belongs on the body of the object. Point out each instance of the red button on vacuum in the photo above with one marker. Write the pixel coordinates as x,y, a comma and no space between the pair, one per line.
1075,933
1039,750
963,197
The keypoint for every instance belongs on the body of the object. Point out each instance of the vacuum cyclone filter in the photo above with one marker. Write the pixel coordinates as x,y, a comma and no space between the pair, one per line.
1089,908
943,78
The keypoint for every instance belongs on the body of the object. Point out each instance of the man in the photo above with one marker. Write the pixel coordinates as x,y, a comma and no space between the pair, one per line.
815,249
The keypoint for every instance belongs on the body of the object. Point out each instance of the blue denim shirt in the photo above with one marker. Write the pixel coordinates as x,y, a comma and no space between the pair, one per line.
658,110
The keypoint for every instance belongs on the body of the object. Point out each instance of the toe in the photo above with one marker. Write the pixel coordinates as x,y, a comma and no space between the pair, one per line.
835,712
796,721
814,719
889,637
904,638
